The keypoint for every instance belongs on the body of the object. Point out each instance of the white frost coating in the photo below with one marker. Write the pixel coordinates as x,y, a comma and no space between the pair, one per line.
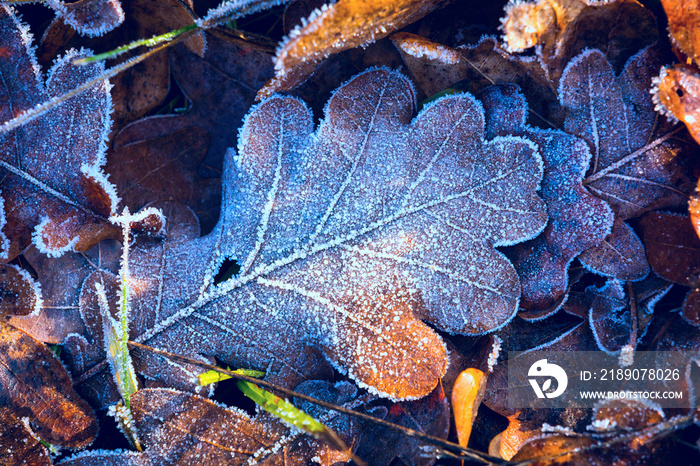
626,357
26,38
35,287
89,25
436,52
4,240
232,9
495,352
51,251
659,107
573,63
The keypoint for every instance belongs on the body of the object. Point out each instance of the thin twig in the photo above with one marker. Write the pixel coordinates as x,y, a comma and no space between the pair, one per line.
472,454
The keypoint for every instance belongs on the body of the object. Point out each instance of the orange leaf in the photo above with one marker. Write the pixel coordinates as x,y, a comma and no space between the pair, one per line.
467,394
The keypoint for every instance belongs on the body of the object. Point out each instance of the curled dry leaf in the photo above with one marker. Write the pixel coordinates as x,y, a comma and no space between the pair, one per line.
561,29
34,384
683,25
55,193
673,249
577,219
676,93
346,237
90,17
638,165
336,27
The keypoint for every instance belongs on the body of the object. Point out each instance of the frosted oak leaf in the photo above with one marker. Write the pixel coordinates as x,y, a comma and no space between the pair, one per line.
348,237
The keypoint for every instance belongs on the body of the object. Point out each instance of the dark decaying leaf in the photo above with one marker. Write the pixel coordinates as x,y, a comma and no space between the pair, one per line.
345,238
54,190
139,89
577,219
562,29
17,441
179,428
336,27
430,415
90,17
34,384
638,163
148,169
610,444
221,87
60,280
673,249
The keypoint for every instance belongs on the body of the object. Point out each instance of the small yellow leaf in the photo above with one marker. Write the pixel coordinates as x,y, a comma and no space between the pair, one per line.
467,394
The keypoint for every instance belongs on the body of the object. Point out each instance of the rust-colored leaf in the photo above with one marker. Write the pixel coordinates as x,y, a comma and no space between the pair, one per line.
676,92
17,441
35,385
562,29
683,23
336,27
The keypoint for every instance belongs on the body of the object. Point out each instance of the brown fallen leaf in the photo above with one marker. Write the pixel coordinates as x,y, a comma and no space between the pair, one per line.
149,169
17,441
577,219
336,27
683,22
34,384
60,280
673,249
221,86
480,66
180,428
55,192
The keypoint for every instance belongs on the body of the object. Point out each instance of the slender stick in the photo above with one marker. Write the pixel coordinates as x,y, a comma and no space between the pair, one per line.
472,454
